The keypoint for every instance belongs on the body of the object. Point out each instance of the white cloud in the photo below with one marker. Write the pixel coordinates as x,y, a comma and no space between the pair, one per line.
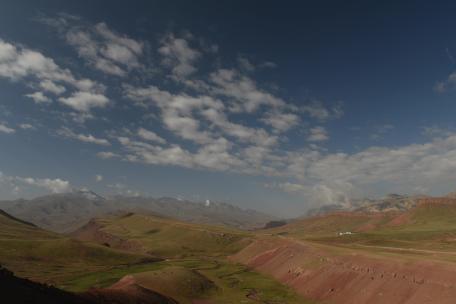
65,132
6,129
281,121
447,84
179,116
316,109
245,64
26,126
53,185
18,62
213,156
431,165
242,91
179,56
39,97
268,64
101,47
107,155
85,101
98,178
318,134
149,135
50,86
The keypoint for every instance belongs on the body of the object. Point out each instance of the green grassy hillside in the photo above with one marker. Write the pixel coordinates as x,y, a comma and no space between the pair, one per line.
163,237
194,265
431,225
48,257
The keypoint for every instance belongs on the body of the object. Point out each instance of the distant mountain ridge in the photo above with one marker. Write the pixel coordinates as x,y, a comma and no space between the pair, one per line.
68,211
391,202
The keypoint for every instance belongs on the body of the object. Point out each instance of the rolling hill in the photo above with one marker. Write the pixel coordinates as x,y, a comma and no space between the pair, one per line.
48,257
160,236
123,266
429,224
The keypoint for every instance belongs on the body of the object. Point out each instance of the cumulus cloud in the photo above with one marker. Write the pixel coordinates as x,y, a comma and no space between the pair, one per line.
212,156
50,86
101,47
178,115
316,109
85,101
150,136
403,169
6,129
179,56
223,120
318,134
38,71
107,155
39,97
242,91
53,185
281,121
18,62
65,132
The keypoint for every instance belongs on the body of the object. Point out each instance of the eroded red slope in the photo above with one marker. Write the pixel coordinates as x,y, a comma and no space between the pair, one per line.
336,275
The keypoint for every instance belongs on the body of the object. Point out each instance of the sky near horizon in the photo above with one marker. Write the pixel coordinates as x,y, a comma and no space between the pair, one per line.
273,106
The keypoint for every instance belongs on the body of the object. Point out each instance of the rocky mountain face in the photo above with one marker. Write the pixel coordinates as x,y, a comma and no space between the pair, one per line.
69,211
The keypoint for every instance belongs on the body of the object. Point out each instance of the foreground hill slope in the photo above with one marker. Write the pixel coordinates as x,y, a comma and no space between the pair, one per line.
23,291
69,211
48,257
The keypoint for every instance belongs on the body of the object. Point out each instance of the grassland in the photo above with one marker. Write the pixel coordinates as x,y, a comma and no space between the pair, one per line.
164,237
221,282
428,230
195,261
193,265
51,258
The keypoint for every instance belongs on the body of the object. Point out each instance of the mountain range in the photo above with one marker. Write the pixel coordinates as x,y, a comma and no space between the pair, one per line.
391,202
68,211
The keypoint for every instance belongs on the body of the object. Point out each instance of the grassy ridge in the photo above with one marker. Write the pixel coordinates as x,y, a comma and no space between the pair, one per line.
168,238
429,226
51,258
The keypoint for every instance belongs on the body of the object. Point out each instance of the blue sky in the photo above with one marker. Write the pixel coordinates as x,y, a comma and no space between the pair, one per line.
266,106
